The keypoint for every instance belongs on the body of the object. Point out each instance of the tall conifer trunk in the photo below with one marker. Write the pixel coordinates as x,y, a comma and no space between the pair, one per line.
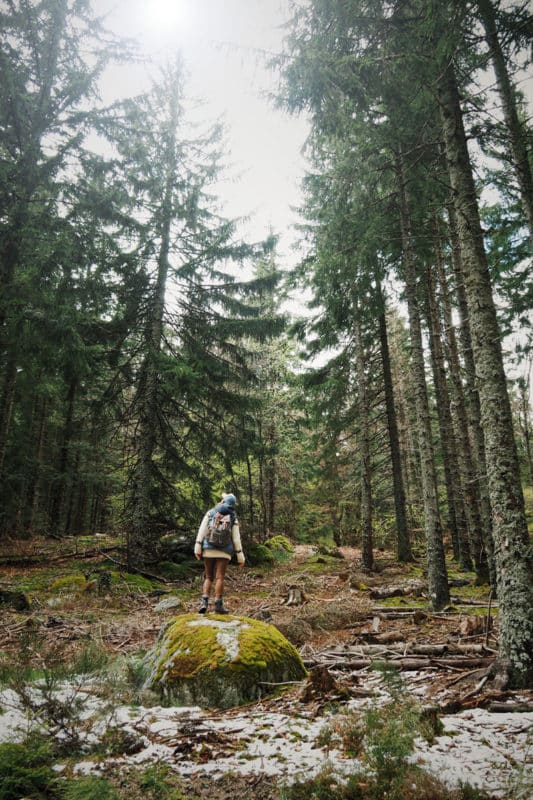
144,534
469,481
471,395
439,594
58,492
367,555
456,508
403,543
513,559
142,544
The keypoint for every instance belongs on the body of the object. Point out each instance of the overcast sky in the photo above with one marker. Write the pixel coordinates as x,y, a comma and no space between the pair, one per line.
223,43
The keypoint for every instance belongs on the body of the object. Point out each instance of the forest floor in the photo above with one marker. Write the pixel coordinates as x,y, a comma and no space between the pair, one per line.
342,622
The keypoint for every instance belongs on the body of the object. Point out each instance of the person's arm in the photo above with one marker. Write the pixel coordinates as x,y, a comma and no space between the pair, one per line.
237,545
200,536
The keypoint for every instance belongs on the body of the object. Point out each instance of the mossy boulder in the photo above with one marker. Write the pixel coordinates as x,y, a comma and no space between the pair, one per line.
220,661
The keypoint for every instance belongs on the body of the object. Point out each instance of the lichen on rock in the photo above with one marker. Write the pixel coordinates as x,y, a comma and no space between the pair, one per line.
220,661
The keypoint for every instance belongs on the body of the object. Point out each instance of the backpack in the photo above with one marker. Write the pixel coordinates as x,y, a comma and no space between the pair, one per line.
219,525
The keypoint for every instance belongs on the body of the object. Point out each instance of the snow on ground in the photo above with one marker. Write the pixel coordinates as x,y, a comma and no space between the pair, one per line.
491,751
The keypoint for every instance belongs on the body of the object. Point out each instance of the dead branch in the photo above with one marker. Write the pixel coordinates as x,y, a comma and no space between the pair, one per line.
44,557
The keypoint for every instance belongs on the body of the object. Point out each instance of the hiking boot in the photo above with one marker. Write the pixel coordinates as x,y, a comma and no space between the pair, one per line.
219,607
203,605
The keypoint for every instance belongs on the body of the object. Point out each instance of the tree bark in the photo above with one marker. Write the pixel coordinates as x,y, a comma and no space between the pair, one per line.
403,542
473,407
456,508
56,506
513,559
524,423
464,451
439,594
32,495
367,555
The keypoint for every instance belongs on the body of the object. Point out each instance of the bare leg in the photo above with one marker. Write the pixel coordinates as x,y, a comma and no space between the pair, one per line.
220,574
209,567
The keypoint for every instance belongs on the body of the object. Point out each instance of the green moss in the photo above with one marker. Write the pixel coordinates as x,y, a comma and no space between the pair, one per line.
279,543
135,582
173,571
69,583
403,602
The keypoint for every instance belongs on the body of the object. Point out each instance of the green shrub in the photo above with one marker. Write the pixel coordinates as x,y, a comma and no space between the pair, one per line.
25,771
259,555
173,571
90,660
89,788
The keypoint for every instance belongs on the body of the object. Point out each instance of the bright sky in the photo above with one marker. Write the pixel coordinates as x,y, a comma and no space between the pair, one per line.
222,42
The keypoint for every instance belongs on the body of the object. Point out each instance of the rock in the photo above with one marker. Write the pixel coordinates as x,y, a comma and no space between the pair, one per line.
167,603
220,662
14,599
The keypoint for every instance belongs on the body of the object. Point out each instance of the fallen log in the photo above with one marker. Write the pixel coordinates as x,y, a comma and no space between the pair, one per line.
416,588
407,664
46,558
507,708
407,648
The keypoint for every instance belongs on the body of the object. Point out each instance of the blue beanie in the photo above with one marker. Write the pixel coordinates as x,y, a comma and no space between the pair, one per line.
229,500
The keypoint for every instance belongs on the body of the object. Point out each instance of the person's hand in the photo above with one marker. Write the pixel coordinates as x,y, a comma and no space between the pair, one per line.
241,564
197,557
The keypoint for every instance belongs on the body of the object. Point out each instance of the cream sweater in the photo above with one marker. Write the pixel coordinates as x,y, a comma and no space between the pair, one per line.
212,552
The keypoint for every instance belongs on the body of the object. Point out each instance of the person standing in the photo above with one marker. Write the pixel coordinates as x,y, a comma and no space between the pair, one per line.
216,560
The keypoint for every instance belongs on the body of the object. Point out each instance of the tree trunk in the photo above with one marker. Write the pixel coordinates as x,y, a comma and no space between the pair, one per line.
473,407
464,450
456,508
6,406
142,544
32,495
56,506
250,490
403,542
270,477
367,554
439,594
518,134
513,560
524,423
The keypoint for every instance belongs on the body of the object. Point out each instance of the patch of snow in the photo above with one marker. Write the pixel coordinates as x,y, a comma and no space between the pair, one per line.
490,751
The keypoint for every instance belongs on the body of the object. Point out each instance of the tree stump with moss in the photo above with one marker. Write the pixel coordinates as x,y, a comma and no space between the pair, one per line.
220,661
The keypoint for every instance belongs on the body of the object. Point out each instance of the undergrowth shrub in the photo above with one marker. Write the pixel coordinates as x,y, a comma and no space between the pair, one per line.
259,555
26,771
381,741
54,695
89,788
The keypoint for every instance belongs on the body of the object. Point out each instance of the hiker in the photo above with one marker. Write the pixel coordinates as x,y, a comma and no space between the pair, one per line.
216,558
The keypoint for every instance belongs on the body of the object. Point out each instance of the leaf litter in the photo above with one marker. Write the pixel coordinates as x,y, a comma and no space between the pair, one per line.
280,736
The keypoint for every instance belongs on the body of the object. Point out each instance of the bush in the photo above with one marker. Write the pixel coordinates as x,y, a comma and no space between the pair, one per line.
25,771
259,555
89,788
